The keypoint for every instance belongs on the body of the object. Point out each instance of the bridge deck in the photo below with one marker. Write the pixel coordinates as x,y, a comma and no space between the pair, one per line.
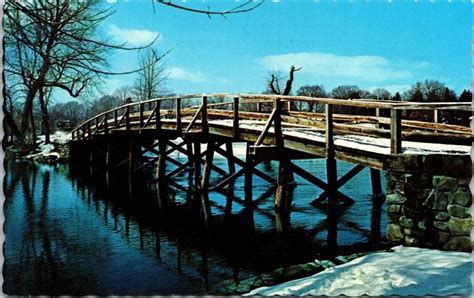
356,138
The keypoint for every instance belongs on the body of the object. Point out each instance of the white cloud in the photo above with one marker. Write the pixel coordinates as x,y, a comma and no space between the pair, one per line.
327,65
133,37
178,73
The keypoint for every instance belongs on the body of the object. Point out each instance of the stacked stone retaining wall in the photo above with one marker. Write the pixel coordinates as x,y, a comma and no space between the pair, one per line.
429,200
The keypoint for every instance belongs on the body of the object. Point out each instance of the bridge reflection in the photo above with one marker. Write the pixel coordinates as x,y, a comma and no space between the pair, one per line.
245,236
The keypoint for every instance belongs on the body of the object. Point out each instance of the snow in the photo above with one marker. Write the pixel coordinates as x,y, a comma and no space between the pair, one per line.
48,150
406,271
364,143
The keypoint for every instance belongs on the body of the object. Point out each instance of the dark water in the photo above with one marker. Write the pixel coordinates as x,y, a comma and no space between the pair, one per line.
72,233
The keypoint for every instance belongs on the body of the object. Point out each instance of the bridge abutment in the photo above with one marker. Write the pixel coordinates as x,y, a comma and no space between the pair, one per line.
428,201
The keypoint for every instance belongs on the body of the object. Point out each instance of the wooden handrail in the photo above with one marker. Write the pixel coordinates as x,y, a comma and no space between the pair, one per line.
395,121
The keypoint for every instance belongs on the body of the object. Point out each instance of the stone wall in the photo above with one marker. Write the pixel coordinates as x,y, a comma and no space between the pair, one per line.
428,201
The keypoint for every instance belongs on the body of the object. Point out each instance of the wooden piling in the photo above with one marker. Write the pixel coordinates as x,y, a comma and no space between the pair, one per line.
161,166
248,177
230,161
281,196
208,165
376,182
197,163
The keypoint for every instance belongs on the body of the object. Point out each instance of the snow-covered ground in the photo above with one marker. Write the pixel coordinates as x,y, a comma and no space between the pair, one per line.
406,271
50,151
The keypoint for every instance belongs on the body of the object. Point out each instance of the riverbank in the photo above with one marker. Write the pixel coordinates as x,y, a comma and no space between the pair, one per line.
405,271
56,151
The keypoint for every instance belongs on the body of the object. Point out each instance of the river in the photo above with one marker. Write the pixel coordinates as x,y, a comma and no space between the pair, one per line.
69,232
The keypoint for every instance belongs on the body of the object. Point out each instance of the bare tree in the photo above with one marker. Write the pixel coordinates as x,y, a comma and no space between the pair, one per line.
152,76
240,8
54,44
313,91
275,82
124,92
381,94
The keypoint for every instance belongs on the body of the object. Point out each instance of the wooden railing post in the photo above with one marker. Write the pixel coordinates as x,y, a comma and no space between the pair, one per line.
158,115
106,125
115,118
329,131
235,107
73,134
331,164
435,115
97,124
127,118
277,122
259,107
141,106
377,115
395,131
89,130
205,128
178,114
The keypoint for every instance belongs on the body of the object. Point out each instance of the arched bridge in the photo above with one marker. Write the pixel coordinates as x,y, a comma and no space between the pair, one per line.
283,128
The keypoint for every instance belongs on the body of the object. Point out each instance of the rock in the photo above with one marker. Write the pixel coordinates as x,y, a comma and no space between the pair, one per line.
411,212
421,225
441,225
442,216
393,208
411,240
413,232
464,181
459,244
394,233
462,197
406,222
324,263
341,260
458,211
418,180
437,200
393,217
460,226
396,199
444,183
443,237
246,285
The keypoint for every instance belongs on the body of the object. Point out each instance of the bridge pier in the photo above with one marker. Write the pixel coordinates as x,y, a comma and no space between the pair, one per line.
428,201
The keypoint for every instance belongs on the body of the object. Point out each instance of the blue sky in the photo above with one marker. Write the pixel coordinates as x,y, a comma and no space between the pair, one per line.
369,44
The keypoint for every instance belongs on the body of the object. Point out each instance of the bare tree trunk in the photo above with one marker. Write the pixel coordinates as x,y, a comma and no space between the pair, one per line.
10,122
28,109
45,116
33,128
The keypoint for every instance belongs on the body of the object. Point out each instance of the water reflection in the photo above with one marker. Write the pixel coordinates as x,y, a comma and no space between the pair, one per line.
68,232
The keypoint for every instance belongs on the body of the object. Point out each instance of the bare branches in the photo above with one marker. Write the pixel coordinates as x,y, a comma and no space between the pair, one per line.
277,78
241,8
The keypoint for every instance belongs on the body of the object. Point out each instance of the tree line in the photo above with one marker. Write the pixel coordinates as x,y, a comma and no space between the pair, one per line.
425,91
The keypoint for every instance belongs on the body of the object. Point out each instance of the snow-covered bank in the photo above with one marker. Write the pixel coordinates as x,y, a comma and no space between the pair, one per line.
406,271
56,150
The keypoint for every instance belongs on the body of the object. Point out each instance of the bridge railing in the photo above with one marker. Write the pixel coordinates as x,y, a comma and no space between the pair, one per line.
145,114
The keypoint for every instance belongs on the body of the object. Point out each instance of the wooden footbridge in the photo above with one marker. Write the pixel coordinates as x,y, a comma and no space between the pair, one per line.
274,127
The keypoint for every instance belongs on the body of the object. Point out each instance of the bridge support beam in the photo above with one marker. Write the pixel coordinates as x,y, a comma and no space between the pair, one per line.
197,163
208,165
161,166
249,164
376,182
282,201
